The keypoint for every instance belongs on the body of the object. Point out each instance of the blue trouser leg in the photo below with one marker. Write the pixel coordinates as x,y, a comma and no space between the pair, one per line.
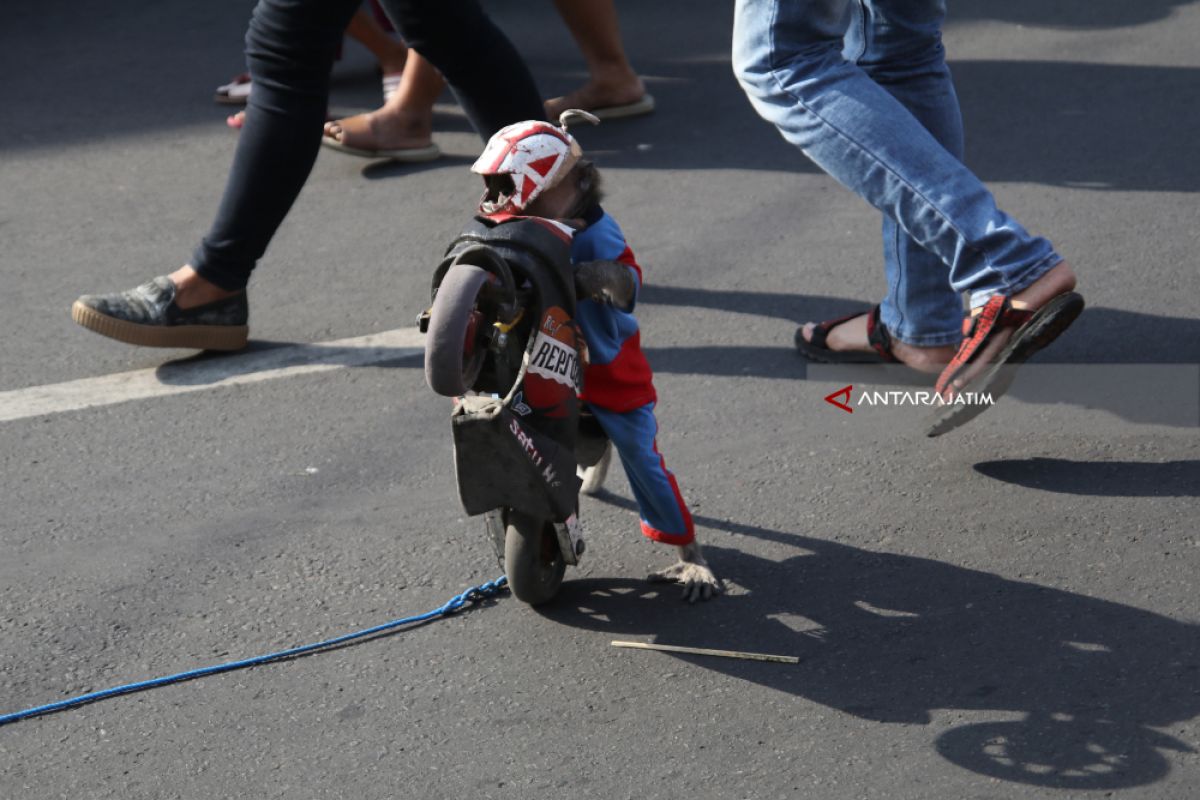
664,515
789,58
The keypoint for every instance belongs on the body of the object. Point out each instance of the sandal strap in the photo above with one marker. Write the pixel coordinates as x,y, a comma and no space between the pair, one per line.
822,329
978,330
878,336
877,333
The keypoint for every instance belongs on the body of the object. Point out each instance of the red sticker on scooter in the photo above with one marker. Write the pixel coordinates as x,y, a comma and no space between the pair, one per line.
553,376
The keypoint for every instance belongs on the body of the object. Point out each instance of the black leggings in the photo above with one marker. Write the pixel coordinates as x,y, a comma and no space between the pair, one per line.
290,49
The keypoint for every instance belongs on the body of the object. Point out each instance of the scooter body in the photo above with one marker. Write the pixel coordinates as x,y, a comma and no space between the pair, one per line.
502,339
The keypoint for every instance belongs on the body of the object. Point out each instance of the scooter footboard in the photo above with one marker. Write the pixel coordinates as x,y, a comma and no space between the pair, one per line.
500,461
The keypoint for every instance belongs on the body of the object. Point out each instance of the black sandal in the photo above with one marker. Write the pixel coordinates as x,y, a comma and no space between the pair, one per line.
877,334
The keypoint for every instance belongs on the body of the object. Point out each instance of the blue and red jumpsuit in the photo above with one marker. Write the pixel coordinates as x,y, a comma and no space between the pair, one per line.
619,388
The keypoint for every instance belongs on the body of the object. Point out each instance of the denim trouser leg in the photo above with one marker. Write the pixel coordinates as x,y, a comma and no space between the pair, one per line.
788,57
290,48
905,56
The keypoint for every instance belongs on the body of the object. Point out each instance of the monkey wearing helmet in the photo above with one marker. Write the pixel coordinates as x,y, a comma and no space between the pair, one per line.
536,169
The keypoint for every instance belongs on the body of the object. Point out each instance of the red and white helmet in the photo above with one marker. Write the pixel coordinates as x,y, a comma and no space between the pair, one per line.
523,160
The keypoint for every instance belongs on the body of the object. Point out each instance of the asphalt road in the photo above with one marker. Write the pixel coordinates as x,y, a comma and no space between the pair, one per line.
1007,611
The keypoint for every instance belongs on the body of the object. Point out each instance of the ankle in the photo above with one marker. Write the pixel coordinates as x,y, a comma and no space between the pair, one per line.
930,360
404,121
191,290
615,75
1060,278
393,61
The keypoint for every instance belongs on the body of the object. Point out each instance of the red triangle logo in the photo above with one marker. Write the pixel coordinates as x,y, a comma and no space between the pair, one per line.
527,187
844,393
543,165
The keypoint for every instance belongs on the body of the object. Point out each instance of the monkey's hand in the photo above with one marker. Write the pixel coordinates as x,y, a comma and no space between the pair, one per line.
606,282
699,582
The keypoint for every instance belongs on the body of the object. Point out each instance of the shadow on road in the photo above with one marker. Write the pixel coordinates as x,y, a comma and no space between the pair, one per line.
1139,367
1094,14
1100,336
262,356
894,638
1098,478
1085,126
1054,122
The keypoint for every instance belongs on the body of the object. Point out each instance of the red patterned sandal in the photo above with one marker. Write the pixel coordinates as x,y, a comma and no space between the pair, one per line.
815,349
1035,328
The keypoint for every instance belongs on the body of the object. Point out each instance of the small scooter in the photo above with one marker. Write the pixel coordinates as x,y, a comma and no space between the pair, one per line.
501,339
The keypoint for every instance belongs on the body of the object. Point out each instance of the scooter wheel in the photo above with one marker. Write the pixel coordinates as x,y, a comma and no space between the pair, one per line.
453,354
532,559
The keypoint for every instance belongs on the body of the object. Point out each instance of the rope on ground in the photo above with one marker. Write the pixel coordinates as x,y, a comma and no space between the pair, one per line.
453,605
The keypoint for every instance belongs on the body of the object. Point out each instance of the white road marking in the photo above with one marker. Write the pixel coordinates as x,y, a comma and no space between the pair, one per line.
214,372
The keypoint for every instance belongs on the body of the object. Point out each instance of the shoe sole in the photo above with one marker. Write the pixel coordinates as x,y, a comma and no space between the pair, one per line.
411,155
190,337
635,109
1047,324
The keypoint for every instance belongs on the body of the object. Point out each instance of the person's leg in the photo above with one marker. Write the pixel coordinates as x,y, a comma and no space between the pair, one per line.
788,57
290,49
611,80
404,123
485,71
900,49
390,53
899,46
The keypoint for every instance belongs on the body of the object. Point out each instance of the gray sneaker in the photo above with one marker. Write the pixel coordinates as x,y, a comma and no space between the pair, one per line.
149,317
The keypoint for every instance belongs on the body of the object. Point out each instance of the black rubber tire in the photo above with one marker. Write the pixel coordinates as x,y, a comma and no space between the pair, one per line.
532,560
446,370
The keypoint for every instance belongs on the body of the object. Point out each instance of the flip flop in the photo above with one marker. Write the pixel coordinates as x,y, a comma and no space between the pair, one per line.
236,92
1035,328
815,349
406,154
644,105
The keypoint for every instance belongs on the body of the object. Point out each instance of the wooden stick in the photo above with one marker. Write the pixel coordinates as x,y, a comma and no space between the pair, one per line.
704,651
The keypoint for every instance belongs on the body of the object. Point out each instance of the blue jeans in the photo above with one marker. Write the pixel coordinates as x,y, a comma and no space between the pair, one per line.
862,87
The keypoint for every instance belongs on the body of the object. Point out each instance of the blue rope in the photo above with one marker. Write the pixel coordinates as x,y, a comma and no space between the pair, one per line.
453,605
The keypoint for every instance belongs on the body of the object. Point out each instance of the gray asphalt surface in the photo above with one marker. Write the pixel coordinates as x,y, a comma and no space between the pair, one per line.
1007,611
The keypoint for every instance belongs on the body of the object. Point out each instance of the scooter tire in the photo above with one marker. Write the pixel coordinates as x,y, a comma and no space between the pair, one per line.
449,370
532,560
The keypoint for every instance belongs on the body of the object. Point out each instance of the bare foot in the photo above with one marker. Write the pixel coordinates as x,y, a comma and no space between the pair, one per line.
699,582
598,94
1060,279
383,129
191,290
851,335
